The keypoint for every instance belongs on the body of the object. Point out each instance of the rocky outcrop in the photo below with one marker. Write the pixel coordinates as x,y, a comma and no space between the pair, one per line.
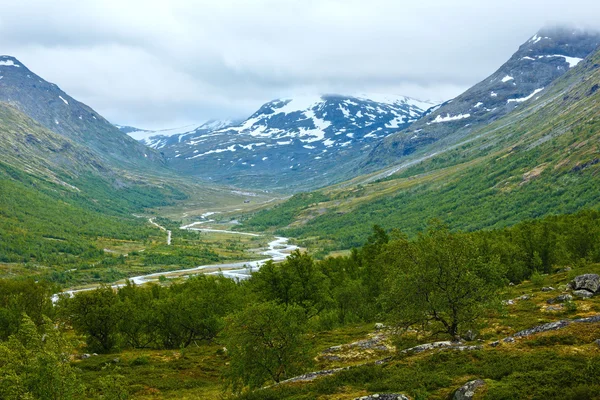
589,282
563,298
468,390
584,294
440,345
384,396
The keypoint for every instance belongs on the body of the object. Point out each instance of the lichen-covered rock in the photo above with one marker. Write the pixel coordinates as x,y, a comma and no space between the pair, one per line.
467,392
560,299
584,294
552,326
384,396
589,282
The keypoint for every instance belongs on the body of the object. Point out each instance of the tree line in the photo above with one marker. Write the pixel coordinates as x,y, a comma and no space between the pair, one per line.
440,282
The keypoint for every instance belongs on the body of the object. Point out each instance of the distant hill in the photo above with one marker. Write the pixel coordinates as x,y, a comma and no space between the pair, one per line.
54,109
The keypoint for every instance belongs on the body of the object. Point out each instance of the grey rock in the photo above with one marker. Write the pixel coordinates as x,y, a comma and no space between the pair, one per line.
468,390
384,396
552,326
588,320
589,282
548,289
429,346
597,341
495,344
470,335
84,356
379,326
525,297
509,340
116,360
557,307
560,299
583,294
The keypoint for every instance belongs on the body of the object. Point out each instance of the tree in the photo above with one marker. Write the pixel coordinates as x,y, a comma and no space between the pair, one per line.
440,282
296,281
37,366
95,314
265,342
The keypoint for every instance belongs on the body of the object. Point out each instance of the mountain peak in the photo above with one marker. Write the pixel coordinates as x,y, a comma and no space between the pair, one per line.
10,61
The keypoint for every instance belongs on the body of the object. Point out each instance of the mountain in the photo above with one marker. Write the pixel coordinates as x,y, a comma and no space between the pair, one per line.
160,138
542,158
51,107
538,62
291,144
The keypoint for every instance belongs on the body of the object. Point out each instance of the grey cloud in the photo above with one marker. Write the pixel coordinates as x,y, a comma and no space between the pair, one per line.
157,63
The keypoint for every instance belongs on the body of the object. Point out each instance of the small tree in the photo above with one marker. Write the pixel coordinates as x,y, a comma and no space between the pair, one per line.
440,282
265,342
37,366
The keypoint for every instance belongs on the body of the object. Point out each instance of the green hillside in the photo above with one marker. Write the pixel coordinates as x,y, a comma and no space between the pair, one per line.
541,159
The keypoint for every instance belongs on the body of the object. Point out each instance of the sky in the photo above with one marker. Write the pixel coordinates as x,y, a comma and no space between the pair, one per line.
162,64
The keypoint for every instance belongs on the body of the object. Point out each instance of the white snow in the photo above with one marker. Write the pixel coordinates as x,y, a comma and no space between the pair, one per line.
449,118
66,102
146,134
523,99
344,111
8,63
494,94
251,145
478,105
265,158
299,103
309,147
230,148
328,143
507,78
528,58
572,61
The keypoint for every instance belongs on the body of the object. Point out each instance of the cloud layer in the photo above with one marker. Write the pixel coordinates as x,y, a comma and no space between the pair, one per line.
163,63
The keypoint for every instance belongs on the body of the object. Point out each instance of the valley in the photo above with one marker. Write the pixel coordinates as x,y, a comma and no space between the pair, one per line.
324,246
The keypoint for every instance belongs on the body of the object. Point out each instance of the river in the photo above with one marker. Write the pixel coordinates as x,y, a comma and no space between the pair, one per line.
278,250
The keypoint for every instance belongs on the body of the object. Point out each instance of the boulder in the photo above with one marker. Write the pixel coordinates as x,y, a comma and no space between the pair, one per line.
584,294
560,299
589,282
467,392
548,289
379,326
384,396
597,341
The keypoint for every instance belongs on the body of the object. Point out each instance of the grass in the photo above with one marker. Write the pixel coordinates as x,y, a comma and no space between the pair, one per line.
555,364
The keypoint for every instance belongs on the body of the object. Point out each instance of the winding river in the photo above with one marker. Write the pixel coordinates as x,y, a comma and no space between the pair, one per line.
278,250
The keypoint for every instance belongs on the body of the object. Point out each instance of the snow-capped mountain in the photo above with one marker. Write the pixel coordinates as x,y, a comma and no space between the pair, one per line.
538,62
302,142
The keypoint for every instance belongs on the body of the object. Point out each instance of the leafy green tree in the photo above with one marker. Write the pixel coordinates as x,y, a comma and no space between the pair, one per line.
36,365
265,342
95,314
440,282
297,280
195,310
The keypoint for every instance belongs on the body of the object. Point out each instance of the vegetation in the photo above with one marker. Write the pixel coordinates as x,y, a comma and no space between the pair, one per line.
273,325
539,160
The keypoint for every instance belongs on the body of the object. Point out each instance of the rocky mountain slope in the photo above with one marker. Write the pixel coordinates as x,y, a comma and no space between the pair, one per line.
290,144
51,107
543,58
541,158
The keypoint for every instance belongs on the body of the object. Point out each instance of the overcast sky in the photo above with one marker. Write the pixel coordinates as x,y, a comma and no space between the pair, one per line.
158,64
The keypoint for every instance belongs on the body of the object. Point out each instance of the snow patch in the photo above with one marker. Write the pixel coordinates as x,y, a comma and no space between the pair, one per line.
8,63
449,118
66,102
523,99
